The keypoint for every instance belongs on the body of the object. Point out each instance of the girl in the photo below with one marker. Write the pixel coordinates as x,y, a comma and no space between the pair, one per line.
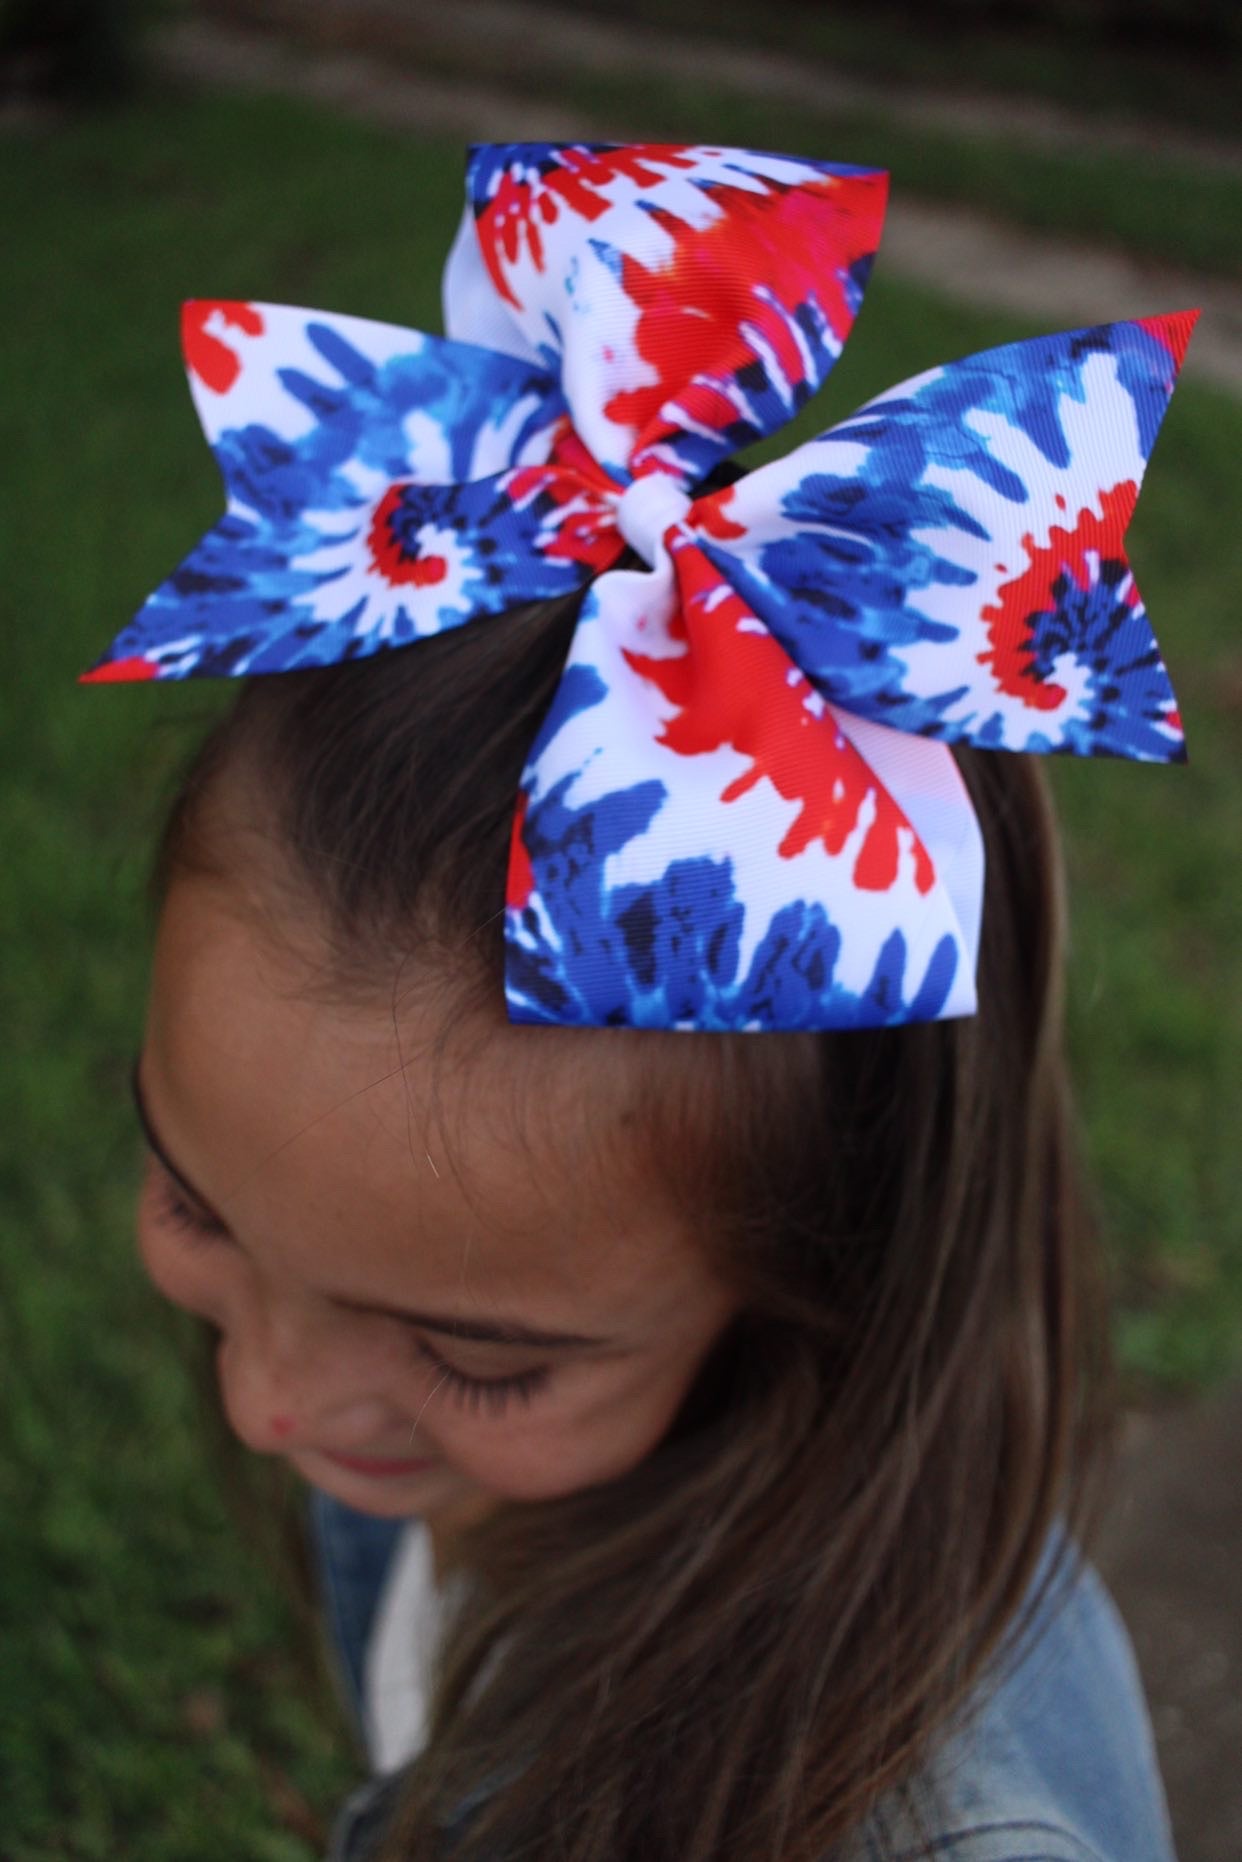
699,1391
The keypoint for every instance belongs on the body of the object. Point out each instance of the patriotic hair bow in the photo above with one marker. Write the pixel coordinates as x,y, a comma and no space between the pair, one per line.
741,810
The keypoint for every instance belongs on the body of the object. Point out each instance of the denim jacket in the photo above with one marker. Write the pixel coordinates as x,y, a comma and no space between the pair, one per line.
1057,1765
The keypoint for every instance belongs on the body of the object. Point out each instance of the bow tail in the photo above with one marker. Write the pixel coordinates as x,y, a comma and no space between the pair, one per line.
701,841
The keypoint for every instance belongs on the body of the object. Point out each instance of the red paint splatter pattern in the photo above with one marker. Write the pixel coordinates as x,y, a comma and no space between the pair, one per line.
521,877
695,297
724,321
735,686
395,553
574,503
517,199
208,357
1074,592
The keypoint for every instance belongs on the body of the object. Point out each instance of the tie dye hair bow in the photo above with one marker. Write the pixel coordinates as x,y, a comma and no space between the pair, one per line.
741,811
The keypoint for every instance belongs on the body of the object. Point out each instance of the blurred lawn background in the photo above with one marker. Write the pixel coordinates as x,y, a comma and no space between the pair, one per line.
152,1702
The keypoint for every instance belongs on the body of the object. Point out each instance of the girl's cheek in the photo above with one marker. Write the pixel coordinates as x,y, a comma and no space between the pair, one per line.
527,1460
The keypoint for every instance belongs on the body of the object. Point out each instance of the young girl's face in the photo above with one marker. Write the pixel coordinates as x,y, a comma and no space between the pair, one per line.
438,1278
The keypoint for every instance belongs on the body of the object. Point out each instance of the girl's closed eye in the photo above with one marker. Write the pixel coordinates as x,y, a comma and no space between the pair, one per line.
478,1393
468,1391
178,1212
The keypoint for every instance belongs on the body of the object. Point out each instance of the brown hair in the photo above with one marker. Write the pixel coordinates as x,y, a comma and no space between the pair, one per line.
734,1650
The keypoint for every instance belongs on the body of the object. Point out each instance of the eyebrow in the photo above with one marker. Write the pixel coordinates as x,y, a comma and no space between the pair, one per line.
156,1147
480,1331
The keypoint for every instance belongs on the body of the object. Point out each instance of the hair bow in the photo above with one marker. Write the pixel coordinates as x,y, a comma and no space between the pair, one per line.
741,810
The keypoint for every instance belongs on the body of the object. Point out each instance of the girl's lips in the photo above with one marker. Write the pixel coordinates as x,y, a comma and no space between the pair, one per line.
371,1464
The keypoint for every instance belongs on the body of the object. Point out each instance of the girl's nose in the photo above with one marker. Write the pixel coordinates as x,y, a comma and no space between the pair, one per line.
289,1383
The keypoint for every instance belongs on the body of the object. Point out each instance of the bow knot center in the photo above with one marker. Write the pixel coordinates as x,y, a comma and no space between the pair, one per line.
646,511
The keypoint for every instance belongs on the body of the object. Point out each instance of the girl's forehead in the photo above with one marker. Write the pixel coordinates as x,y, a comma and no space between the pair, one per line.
395,1131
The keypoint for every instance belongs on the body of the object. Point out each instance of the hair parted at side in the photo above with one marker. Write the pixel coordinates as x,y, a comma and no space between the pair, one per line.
730,1654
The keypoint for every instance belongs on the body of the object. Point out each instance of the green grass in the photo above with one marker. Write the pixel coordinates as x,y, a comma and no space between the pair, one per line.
149,1700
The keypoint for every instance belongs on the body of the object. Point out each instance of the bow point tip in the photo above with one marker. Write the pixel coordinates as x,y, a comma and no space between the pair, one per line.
1174,329
117,672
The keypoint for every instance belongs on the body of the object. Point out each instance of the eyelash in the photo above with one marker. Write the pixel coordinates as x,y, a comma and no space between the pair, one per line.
197,1227
472,1393
476,1393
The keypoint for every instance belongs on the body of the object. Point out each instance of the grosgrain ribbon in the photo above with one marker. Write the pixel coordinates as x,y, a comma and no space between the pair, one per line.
647,510
741,810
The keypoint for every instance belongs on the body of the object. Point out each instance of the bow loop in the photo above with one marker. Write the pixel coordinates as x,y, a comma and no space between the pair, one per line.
361,463
690,299
950,560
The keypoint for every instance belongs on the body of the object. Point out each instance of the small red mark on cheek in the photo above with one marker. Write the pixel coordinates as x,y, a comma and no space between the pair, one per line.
282,1425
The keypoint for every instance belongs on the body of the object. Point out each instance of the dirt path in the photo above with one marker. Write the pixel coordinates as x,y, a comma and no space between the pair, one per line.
519,37
964,254
1172,1553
